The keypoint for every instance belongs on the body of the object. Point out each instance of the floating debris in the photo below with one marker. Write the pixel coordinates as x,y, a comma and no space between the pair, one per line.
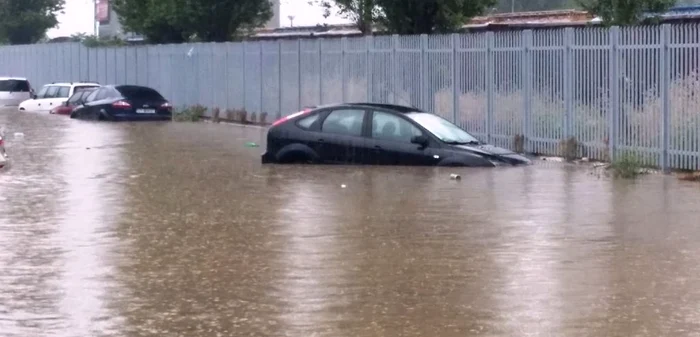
455,177
251,144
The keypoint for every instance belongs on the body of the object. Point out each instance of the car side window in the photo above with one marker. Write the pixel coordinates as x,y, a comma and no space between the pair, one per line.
386,126
42,92
307,122
92,96
76,97
63,92
51,92
345,122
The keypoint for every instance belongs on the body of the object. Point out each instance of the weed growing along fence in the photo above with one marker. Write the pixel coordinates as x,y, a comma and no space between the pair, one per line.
612,90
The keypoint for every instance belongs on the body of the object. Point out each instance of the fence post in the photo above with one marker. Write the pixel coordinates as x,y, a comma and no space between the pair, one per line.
568,82
614,33
527,88
262,76
343,80
245,68
455,78
299,73
489,85
368,68
279,78
320,71
423,61
394,68
665,77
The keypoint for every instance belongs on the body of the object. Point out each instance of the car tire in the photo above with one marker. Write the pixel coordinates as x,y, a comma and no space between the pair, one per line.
296,157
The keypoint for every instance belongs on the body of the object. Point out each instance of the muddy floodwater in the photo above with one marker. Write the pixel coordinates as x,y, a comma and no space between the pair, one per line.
176,229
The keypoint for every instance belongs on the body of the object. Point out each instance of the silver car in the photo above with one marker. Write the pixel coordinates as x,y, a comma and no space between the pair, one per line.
14,90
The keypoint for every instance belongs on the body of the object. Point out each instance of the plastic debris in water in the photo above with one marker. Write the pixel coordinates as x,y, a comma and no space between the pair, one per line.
455,177
251,144
343,186
19,135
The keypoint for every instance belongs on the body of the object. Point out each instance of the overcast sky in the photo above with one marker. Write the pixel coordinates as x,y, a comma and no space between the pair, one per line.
79,16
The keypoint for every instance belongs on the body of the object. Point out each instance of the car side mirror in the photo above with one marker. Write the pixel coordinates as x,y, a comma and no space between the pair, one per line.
34,96
420,140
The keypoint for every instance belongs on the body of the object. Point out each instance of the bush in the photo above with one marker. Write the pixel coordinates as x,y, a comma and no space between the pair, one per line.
189,114
626,166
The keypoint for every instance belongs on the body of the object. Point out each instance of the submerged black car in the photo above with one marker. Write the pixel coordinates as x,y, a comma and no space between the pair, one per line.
124,103
378,134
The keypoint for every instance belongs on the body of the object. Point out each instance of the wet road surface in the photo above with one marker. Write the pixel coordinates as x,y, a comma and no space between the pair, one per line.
170,229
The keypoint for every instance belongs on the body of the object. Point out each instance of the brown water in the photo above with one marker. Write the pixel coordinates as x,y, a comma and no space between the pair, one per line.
169,229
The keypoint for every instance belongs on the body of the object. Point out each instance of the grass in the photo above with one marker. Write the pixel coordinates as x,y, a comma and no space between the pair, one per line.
626,166
189,114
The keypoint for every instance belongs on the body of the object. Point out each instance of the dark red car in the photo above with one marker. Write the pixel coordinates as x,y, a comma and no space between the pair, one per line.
74,101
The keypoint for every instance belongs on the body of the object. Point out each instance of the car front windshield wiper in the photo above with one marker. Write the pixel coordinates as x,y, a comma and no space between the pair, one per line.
455,142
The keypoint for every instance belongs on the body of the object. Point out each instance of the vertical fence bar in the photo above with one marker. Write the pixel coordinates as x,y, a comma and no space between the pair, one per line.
665,78
299,93
343,80
527,88
279,78
394,68
568,82
262,75
368,67
490,74
423,60
455,79
614,92
320,71
243,74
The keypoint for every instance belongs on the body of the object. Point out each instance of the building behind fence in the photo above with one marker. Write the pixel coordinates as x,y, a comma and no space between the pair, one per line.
614,90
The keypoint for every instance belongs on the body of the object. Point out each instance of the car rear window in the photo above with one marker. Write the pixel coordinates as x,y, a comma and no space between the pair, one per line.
139,93
14,85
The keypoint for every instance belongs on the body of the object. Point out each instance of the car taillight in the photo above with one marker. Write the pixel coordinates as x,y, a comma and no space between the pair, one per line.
167,106
121,105
2,142
286,118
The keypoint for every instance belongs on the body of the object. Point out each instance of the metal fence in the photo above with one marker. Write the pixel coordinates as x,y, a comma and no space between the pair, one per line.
614,90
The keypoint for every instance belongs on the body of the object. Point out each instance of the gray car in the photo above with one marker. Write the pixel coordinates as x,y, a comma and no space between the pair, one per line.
14,90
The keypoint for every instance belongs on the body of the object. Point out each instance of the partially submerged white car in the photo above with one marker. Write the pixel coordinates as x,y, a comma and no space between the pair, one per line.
14,90
53,95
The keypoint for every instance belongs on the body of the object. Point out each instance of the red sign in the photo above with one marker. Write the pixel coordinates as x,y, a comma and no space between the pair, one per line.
102,11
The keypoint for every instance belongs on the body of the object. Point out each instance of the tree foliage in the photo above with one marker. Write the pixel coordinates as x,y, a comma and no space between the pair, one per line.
176,21
625,12
364,13
26,21
429,16
409,16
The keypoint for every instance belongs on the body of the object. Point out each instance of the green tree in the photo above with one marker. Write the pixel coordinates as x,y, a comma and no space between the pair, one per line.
362,12
224,20
625,12
176,21
26,21
429,16
159,21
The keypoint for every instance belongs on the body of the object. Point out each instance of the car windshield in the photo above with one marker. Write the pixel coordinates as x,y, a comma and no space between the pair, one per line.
442,128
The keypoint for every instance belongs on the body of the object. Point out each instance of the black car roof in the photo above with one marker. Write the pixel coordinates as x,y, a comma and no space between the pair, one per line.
394,107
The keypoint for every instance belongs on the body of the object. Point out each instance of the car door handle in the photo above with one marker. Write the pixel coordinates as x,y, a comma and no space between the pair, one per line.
321,140
377,147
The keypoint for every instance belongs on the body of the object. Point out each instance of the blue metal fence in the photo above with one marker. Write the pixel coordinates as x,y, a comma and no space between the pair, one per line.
614,89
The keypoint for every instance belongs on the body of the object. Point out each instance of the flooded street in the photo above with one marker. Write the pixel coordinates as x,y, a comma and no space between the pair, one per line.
176,229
